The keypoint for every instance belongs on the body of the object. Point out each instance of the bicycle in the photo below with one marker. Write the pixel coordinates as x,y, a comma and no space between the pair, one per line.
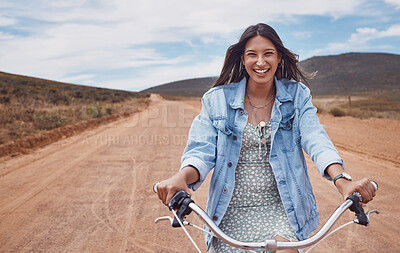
184,205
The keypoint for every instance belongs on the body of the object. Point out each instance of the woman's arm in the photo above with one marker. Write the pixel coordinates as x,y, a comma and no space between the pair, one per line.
346,187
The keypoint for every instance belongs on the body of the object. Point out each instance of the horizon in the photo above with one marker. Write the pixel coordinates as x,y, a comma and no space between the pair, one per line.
112,44
180,80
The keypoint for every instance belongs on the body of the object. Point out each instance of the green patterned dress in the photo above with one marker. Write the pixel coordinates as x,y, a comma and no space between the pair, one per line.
255,211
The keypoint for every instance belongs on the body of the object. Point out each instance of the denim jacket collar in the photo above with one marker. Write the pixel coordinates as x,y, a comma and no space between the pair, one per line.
237,100
281,93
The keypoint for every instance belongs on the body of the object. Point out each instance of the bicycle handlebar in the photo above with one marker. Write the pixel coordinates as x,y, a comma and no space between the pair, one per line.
185,205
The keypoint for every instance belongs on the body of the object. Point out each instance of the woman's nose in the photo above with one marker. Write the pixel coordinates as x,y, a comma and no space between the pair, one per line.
260,61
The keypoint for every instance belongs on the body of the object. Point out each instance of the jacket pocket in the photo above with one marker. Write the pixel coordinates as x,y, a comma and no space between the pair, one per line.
222,126
222,138
286,136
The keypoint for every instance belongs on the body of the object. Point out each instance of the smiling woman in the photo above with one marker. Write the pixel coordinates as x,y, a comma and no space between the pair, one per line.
253,127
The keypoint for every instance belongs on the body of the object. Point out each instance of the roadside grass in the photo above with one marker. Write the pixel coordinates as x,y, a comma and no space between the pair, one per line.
30,106
178,97
363,105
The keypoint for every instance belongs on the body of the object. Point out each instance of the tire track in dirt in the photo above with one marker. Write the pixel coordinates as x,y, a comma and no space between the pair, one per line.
12,165
130,210
93,191
10,206
356,151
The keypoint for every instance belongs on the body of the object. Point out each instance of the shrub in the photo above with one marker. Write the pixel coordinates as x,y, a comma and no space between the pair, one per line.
4,100
77,94
362,114
110,110
57,98
337,112
45,121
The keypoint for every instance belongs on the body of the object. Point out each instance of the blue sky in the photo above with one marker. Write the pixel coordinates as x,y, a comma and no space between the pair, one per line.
136,44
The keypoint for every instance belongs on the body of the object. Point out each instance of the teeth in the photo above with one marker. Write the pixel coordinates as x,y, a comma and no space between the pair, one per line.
261,71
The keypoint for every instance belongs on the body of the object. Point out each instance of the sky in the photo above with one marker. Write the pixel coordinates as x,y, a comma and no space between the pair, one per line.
134,44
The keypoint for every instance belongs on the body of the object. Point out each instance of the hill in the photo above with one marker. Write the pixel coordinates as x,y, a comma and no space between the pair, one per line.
30,90
191,87
344,74
353,73
33,106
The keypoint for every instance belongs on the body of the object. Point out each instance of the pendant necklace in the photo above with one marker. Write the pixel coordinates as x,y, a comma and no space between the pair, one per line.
254,107
262,130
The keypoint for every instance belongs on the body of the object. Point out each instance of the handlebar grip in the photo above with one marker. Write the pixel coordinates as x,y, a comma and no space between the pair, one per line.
155,187
375,184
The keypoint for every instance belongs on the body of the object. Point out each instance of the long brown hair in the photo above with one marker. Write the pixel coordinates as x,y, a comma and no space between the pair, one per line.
233,70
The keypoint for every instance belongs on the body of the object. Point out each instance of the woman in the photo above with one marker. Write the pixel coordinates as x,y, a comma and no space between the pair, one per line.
252,129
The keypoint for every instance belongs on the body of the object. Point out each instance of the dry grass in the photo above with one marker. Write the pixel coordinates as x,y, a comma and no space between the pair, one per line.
379,105
178,98
31,106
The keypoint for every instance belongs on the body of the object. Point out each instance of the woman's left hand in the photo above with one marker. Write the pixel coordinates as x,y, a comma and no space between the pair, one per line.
363,186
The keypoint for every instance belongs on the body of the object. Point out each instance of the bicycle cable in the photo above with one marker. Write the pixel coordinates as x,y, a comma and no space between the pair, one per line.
344,225
187,233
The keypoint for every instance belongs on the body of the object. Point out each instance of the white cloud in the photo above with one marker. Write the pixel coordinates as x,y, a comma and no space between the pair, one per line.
302,35
358,40
159,75
81,79
5,21
394,2
5,36
80,36
394,30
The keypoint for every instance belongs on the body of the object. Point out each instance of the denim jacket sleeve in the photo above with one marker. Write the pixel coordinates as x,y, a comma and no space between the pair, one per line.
314,138
200,151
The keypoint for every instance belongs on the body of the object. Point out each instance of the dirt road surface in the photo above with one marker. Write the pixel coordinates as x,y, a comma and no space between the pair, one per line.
92,192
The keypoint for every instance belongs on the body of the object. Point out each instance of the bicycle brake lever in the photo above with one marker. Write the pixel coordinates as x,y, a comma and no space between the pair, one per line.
372,211
367,215
164,218
171,220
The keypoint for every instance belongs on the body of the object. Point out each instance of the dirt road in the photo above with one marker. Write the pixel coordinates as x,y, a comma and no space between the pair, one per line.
92,192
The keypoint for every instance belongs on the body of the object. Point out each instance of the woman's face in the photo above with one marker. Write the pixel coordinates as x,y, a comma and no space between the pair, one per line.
261,60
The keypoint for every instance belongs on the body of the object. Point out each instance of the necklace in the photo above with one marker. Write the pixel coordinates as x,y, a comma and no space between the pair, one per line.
260,106
262,122
261,127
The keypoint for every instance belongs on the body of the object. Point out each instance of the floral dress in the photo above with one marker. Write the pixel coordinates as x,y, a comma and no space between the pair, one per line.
255,211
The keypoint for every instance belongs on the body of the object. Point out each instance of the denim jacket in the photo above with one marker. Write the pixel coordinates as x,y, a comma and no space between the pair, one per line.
215,139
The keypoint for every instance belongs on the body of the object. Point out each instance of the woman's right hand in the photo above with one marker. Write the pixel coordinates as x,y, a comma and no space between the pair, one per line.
167,188
179,182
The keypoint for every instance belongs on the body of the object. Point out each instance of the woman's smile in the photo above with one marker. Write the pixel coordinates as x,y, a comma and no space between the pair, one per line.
261,71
